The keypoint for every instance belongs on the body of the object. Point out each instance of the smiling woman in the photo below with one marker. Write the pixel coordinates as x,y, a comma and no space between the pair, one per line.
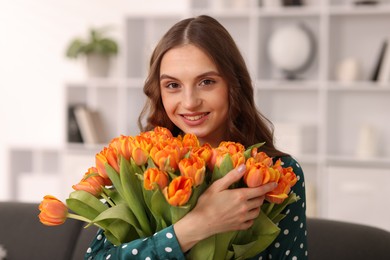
198,83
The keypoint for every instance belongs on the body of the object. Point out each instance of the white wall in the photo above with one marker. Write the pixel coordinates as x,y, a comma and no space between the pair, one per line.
33,69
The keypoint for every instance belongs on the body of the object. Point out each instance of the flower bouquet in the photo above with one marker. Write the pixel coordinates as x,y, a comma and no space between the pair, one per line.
142,184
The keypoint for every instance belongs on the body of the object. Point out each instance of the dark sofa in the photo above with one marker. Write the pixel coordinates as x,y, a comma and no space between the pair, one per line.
24,237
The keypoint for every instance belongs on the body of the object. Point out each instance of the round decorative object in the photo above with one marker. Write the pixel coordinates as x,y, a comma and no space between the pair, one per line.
291,49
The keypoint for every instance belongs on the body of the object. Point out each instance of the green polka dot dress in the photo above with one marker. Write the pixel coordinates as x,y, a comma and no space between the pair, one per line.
290,244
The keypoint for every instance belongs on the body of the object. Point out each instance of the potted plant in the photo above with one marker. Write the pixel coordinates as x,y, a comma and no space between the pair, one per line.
97,48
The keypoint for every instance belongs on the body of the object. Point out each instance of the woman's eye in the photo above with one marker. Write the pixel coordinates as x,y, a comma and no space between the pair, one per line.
172,85
207,82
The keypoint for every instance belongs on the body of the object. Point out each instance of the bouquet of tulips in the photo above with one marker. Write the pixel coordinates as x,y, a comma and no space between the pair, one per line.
142,184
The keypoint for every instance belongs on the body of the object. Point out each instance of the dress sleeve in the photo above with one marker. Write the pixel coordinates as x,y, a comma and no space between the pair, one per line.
291,242
162,245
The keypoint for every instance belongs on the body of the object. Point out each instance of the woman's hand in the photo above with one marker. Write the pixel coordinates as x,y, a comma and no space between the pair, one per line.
220,209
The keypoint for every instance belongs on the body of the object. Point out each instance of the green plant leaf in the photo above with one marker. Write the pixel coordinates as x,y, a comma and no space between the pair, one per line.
222,243
97,42
264,232
119,232
204,250
120,211
160,209
133,194
85,204
278,208
225,167
115,179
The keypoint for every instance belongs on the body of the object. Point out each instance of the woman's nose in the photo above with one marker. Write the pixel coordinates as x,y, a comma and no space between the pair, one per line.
191,99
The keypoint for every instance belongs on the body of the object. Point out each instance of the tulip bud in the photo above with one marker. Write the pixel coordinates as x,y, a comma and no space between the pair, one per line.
53,211
178,191
154,175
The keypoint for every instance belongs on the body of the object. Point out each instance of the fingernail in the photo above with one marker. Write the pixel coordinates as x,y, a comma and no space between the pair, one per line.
241,169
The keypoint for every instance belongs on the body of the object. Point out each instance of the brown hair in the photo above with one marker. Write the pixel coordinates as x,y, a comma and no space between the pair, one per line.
247,125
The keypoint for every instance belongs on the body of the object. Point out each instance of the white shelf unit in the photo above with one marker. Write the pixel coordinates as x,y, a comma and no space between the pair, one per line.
335,110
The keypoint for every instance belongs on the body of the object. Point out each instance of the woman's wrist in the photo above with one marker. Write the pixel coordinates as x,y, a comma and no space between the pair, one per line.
189,231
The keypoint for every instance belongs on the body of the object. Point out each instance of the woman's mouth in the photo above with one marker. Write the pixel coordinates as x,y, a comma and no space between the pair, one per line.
195,119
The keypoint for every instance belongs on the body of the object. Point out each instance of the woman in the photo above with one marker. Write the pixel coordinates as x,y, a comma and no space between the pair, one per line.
198,83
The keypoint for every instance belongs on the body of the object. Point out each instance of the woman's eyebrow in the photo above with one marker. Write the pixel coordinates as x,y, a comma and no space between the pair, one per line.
165,76
208,73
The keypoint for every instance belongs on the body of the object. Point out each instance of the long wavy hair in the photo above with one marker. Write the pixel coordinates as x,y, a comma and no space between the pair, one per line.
246,125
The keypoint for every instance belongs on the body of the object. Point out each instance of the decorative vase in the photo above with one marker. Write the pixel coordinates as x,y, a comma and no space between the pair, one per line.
291,49
98,65
348,70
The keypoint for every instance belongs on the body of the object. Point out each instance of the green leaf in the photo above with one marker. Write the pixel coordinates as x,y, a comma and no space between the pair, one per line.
264,232
225,167
85,204
204,250
120,211
177,212
115,179
278,208
223,242
159,208
119,232
114,195
133,194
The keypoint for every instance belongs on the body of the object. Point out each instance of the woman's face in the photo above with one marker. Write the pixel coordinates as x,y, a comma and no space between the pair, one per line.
194,94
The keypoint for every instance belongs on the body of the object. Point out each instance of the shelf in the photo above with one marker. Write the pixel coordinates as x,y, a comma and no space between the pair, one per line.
352,10
342,160
364,86
287,85
280,12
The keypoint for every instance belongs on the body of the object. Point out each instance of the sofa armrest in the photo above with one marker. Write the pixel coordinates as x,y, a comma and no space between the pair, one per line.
329,239
24,237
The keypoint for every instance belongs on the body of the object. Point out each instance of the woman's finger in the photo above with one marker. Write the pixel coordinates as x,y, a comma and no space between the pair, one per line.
230,178
261,190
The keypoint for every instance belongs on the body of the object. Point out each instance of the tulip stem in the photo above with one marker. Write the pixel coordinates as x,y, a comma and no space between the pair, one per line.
78,217
109,201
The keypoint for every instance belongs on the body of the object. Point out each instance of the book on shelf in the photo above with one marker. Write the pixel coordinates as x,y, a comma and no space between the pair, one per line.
90,123
379,63
73,131
384,71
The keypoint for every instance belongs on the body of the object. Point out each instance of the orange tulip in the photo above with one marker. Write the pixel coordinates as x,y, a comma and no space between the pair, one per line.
142,142
231,147
92,182
107,155
140,156
154,175
122,145
158,134
167,158
190,141
264,159
234,150
53,211
286,181
255,174
162,132
193,167
178,191
205,152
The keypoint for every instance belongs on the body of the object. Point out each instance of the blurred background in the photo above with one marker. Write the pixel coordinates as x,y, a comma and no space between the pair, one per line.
321,70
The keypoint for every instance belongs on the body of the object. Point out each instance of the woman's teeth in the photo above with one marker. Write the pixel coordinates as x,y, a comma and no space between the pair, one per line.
194,118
